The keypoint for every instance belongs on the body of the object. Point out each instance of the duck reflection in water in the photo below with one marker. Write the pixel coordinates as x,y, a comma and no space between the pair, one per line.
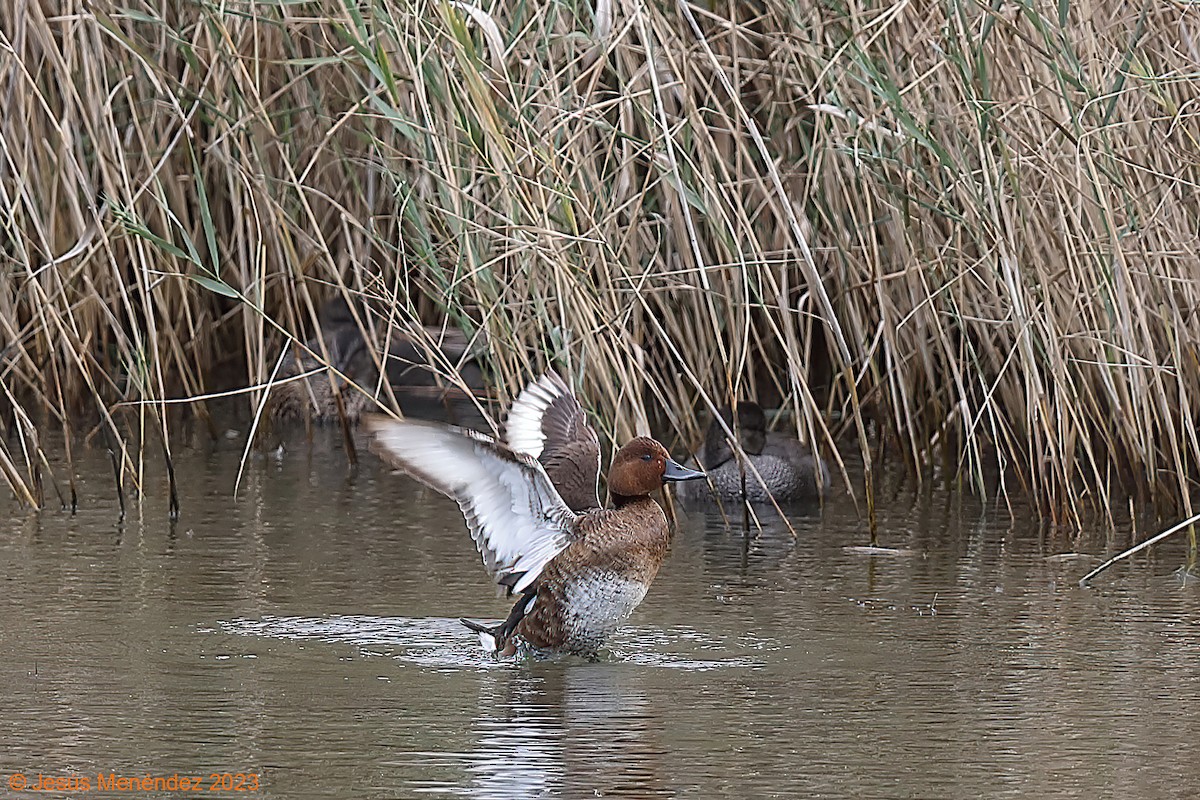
584,731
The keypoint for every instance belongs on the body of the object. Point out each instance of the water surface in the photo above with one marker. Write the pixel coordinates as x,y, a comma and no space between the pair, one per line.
305,631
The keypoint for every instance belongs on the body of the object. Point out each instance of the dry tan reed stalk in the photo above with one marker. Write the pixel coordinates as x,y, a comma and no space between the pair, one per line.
962,234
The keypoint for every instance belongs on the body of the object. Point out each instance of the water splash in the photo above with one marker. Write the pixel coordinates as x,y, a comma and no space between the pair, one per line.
442,642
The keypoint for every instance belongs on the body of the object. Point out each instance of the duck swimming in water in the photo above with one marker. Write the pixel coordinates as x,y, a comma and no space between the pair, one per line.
783,468
578,574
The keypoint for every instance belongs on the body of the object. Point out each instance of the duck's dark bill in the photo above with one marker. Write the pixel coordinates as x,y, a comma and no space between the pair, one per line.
677,472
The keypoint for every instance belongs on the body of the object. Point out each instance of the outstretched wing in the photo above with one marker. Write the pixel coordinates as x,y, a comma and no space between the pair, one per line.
547,422
513,512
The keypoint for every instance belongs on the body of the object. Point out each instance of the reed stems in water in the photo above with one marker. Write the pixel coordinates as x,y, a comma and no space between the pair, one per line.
962,234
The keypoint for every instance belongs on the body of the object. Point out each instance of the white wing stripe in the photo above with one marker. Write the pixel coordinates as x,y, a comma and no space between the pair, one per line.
523,426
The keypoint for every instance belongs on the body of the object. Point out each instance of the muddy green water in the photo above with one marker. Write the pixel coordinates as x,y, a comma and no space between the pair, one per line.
304,632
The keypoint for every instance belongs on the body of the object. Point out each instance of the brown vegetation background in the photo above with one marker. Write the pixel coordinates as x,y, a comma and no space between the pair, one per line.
964,233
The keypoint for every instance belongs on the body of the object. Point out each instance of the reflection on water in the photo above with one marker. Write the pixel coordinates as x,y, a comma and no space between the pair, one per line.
307,631
584,730
540,726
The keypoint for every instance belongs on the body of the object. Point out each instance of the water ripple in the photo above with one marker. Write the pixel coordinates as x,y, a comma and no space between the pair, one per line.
445,642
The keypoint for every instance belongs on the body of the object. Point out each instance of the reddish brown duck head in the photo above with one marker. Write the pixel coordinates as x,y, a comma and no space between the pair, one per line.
643,466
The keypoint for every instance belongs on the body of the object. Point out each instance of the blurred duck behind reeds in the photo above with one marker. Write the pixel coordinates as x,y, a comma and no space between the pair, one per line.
415,364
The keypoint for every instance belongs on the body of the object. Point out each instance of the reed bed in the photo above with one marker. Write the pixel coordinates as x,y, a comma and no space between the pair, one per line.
962,235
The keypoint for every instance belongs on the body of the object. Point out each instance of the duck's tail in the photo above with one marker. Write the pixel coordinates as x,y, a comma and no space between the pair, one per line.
488,634
496,639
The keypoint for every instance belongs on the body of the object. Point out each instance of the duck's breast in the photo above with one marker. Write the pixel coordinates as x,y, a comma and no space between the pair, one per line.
578,612
595,584
598,603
